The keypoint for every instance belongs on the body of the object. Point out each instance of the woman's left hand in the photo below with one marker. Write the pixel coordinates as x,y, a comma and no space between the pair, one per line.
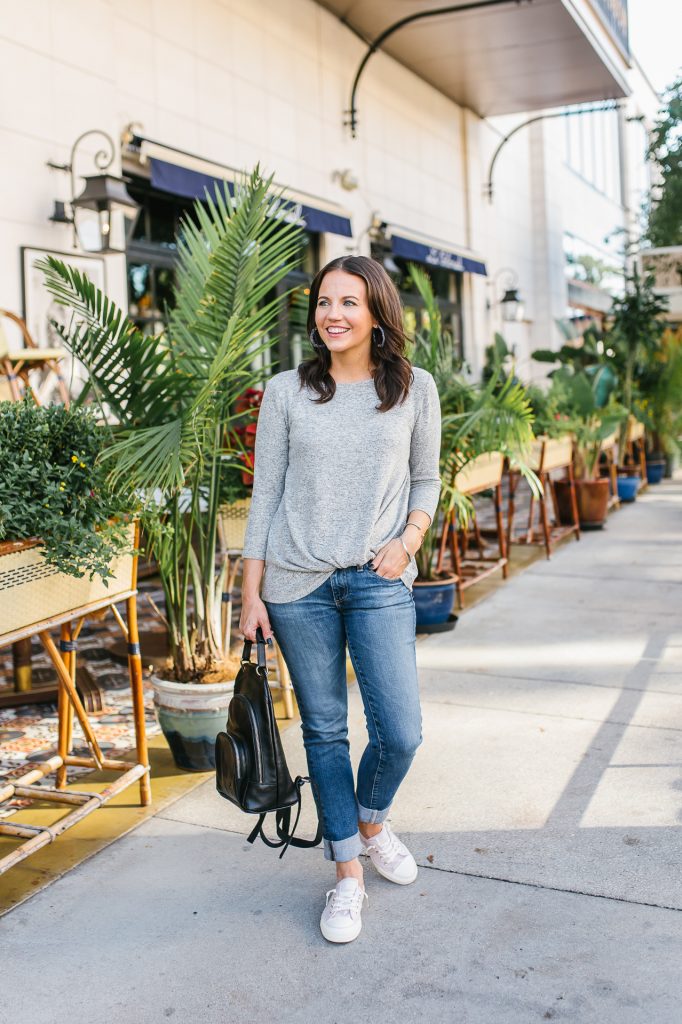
391,561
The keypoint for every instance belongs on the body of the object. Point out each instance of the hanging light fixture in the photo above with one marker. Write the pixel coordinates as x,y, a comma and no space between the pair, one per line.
511,304
93,211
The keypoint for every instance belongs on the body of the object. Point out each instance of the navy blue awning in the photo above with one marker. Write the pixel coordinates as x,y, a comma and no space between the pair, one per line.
181,181
418,252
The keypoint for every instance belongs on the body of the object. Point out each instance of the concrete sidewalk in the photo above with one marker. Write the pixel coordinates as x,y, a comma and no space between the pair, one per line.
544,809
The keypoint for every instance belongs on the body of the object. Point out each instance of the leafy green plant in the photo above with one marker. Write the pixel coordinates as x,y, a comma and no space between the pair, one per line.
548,420
475,418
586,350
635,339
665,150
590,411
660,404
169,399
53,485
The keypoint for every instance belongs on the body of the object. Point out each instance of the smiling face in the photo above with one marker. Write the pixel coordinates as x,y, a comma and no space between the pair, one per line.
342,315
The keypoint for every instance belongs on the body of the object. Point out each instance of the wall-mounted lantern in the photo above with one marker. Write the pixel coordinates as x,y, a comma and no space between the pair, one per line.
93,212
511,304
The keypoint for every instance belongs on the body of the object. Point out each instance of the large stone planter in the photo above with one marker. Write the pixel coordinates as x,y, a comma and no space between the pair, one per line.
191,715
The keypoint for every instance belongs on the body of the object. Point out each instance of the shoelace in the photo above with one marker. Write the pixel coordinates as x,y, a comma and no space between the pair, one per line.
343,902
391,850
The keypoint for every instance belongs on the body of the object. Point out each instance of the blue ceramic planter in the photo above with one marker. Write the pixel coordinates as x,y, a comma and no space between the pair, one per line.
655,470
433,603
628,487
191,715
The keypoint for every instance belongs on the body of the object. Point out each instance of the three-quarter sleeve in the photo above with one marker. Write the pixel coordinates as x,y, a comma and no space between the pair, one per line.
425,480
271,458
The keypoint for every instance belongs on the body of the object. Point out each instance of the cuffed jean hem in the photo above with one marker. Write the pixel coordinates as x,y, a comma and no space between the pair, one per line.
343,849
370,816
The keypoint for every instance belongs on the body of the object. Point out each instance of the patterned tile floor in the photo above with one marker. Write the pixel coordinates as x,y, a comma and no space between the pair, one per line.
28,732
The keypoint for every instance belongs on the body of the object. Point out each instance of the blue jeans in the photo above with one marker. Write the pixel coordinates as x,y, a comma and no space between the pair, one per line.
376,618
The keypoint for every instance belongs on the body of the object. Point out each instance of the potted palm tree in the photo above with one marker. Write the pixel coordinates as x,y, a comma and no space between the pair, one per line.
169,402
635,340
584,398
477,420
659,406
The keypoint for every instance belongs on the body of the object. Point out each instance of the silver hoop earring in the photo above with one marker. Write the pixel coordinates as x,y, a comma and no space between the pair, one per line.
318,344
379,344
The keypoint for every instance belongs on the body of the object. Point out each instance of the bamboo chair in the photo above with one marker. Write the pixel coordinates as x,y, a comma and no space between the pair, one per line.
22,621
483,473
548,455
29,367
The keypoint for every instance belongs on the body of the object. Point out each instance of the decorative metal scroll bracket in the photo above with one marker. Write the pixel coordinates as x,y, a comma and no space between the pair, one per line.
351,115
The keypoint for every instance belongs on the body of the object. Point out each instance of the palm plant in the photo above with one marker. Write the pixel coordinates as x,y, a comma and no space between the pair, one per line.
660,404
495,416
586,401
635,338
167,399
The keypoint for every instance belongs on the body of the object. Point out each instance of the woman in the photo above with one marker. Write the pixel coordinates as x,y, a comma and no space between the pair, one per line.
343,492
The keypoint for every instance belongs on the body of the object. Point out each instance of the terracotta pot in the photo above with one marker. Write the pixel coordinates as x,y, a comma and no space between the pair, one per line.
592,497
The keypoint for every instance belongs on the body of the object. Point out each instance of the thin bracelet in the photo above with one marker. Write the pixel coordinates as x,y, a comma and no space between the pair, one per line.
406,551
416,527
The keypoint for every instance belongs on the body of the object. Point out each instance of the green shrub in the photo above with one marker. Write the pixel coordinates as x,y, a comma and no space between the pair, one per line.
53,486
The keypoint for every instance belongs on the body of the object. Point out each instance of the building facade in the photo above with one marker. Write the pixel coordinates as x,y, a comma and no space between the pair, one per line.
192,93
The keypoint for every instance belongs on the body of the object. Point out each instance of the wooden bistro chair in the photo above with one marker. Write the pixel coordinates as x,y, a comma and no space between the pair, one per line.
484,473
29,366
548,456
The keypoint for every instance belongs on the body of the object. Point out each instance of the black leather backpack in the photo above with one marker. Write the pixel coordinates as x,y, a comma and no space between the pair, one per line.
251,770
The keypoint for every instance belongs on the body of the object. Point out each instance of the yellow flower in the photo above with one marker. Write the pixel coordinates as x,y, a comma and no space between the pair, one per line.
74,458
82,465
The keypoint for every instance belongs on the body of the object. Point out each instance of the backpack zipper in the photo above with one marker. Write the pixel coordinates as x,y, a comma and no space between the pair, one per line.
254,732
237,755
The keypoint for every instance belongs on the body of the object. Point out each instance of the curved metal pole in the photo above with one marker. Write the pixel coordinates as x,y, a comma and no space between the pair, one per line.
103,159
351,119
488,188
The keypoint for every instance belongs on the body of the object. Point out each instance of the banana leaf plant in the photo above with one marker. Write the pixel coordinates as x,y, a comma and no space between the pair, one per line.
494,416
168,399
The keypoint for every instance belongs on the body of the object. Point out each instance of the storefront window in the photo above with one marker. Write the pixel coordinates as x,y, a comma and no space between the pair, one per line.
152,258
447,287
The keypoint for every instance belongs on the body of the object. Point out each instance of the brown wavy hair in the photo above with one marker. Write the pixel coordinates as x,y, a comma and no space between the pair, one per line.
393,375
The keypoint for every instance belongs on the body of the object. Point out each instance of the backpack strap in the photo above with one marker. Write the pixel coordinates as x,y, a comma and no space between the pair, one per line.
282,824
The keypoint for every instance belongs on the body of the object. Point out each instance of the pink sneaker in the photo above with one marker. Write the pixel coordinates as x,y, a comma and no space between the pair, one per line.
390,857
341,919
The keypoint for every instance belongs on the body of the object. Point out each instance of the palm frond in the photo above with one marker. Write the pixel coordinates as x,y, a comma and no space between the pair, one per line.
125,367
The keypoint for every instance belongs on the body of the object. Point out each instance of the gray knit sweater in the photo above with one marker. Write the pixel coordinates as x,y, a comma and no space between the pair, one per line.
334,483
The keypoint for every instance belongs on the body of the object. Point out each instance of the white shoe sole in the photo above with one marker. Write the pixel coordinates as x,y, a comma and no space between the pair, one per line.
398,881
390,878
332,935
